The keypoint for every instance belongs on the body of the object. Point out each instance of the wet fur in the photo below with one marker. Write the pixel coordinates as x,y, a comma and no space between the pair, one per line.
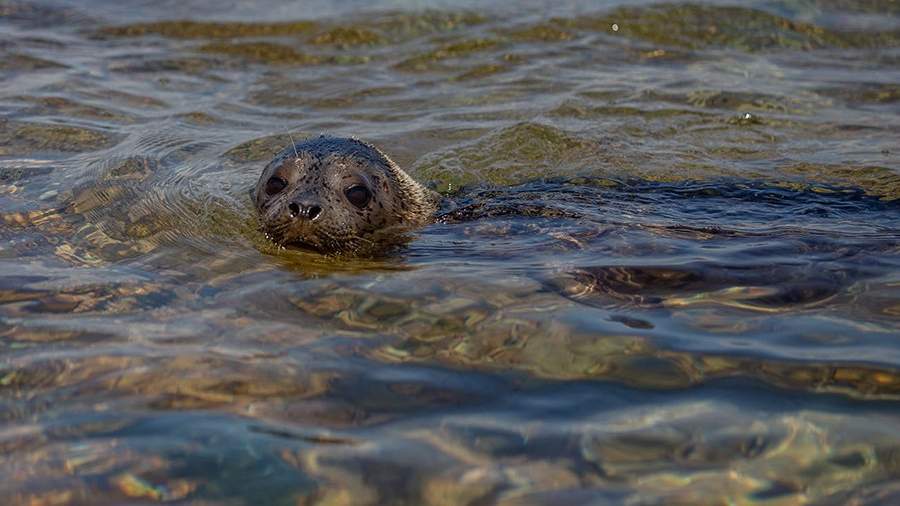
318,171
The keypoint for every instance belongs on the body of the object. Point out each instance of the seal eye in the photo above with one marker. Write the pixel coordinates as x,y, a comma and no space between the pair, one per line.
358,195
274,185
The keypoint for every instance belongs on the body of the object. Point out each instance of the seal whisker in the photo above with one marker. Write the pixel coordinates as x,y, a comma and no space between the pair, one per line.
294,144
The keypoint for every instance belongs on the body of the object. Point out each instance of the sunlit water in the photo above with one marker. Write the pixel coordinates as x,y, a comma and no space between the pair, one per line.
667,268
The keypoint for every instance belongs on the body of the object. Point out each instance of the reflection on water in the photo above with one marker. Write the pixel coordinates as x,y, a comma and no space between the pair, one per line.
666,269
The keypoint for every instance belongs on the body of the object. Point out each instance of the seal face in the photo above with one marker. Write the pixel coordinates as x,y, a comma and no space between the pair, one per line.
339,195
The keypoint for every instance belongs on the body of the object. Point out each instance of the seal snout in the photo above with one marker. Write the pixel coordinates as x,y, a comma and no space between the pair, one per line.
304,210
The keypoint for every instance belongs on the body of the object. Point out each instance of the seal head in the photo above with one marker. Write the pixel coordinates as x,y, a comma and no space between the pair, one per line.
339,195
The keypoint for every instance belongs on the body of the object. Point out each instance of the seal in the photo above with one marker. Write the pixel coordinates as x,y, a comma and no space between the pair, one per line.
339,195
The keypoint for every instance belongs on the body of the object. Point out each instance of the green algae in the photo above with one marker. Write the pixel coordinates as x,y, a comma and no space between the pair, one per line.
876,93
347,36
698,26
263,148
430,59
482,71
24,138
184,65
263,52
544,32
186,29
131,169
405,25
883,182
516,154
71,108
582,110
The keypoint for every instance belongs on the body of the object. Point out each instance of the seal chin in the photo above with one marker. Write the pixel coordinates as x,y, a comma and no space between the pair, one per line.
284,239
299,241
305,246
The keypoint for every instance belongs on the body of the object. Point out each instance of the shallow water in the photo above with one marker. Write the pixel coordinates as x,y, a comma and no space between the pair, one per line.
667,269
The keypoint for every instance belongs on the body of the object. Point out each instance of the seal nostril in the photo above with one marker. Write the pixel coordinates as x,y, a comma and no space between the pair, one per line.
294,208
313,212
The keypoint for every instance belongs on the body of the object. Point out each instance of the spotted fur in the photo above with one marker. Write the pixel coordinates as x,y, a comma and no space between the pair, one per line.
318,171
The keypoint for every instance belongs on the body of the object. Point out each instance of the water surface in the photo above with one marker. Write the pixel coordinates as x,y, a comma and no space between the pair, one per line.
667,270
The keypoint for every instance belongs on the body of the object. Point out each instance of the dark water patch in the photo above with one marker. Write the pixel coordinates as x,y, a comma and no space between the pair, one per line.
837,197
884,7
688,203
184,65
649,286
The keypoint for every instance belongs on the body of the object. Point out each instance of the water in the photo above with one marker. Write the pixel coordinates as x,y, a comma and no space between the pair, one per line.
667,269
